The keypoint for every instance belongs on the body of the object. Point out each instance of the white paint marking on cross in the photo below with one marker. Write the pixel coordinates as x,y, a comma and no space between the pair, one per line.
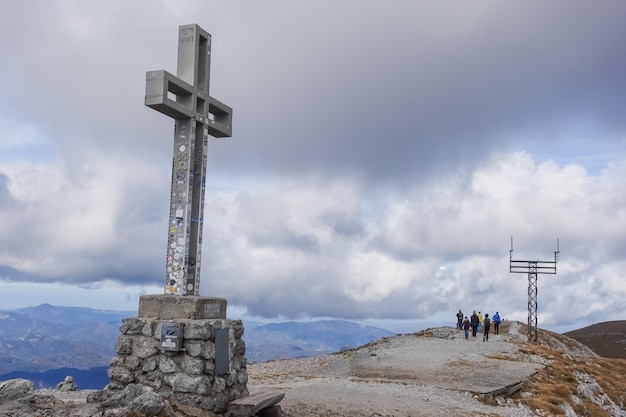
185,97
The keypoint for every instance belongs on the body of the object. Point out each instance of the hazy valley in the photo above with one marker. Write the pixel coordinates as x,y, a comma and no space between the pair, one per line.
45,343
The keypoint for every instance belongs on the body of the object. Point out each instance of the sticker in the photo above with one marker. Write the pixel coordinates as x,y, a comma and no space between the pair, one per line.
179,213
181,241
182,148
189,286
173,245
180,176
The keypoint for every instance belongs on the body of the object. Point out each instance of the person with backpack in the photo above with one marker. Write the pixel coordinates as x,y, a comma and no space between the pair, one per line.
496,323
474,323
486,325
466,326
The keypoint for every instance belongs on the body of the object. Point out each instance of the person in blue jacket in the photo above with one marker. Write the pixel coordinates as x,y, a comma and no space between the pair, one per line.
496,323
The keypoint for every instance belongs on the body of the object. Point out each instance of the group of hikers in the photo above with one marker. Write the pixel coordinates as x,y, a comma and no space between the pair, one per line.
476,322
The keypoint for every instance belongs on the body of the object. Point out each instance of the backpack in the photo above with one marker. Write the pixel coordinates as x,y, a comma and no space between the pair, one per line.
487,321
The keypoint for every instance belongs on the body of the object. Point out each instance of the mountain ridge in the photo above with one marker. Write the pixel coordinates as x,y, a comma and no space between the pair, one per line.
607,339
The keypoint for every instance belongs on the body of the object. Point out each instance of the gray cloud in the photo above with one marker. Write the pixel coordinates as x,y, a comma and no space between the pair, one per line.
5,196
438,246
382,154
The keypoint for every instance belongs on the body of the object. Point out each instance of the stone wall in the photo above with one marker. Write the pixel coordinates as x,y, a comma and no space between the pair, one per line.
186,378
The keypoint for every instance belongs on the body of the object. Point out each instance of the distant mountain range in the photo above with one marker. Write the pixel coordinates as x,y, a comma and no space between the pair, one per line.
37,339
45,343
292,340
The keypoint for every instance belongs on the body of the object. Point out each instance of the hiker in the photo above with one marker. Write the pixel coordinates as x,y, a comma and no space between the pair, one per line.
480,320
474,323
486,325
496,323
459,320
466,326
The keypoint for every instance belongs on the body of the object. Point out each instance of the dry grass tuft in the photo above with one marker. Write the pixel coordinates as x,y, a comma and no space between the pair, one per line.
557,383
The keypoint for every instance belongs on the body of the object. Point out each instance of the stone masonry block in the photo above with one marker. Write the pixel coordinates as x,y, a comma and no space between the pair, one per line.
192,366
116,361
209,368
188,404
239,348
199,329
121,375
179,382
145,347
193,349
149,365
151,379
242,377
131,326
169,307
167,365
231,379
237,326
149,327
219,384
124,345
208,351
132,362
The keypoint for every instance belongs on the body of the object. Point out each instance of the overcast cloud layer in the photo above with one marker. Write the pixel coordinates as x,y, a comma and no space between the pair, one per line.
383,154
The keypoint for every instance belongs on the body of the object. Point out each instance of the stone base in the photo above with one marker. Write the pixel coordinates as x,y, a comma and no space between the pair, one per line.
168,307
206,370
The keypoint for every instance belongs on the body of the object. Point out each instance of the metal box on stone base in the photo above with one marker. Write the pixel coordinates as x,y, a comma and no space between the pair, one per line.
171,337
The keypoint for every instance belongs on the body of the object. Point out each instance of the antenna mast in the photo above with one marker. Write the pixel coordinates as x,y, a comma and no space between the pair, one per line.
533,268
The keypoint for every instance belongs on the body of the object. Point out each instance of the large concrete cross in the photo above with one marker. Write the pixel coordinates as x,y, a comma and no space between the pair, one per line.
185,98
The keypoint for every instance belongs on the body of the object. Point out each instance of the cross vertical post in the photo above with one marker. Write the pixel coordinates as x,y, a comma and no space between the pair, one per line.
185,97
532,268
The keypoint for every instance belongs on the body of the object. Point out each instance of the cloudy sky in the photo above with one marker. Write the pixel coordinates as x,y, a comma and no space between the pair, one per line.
383,154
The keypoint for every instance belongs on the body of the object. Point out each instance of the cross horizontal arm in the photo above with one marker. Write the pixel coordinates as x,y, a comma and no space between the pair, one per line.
221,126
159,84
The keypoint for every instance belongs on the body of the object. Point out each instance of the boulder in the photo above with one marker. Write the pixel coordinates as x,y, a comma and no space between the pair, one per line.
67,385
15,388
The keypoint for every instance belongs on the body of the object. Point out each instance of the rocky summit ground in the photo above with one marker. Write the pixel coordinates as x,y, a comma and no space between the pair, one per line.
438,373
431,373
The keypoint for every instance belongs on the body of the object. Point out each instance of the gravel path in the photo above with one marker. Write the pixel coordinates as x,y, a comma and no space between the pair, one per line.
406,375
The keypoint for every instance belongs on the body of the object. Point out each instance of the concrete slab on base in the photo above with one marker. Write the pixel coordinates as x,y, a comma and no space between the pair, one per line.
181,307
251,405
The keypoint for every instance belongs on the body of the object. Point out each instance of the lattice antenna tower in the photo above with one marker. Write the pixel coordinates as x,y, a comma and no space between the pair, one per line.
533,268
